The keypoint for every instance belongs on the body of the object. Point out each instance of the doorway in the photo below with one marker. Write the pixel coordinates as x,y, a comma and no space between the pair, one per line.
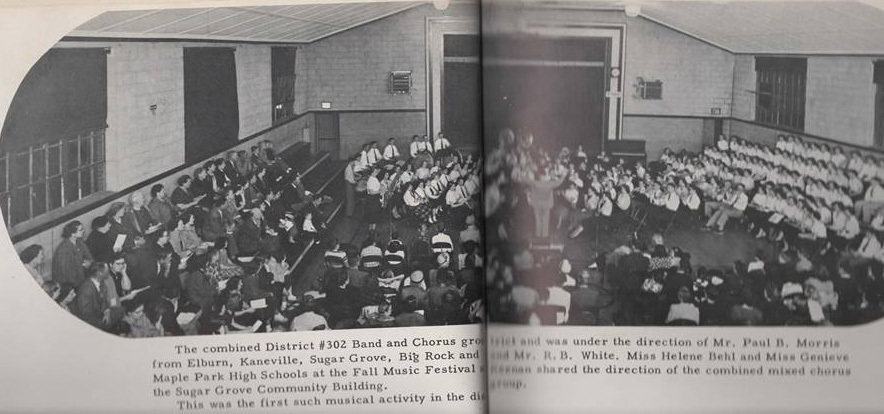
553,88
461,90
328,133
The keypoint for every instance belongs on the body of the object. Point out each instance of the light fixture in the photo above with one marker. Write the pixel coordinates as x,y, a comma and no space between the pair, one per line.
441,4
633,10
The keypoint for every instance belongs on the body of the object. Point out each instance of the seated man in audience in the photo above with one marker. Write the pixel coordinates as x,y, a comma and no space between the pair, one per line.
872,202
94,299
734,206
161,209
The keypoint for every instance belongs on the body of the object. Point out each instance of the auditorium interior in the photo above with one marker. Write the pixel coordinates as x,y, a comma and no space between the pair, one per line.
244,101
708,163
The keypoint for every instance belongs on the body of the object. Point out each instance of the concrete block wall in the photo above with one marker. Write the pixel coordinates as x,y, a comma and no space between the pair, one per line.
696,76
743,85
660,133
351,69
841,99
254,88
281,137
140,142
358,128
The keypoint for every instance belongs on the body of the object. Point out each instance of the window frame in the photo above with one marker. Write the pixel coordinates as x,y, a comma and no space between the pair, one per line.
283,86
781,92
69,174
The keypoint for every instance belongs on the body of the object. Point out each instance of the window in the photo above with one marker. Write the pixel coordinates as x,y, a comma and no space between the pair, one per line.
50,175
211,103
282,68
52,146
780,91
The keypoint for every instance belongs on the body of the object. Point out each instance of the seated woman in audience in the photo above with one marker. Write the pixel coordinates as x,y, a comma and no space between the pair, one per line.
115,214
184,197
222,179
143,320
203,182
226,267
32,258
243,163
137,218
183,237
101,242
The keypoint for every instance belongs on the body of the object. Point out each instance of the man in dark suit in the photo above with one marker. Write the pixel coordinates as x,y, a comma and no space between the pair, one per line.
632,272
141,264
93,305
248,235
585,300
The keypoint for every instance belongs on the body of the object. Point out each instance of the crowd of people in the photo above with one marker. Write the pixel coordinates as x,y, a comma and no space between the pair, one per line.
215,254
435,190
820,211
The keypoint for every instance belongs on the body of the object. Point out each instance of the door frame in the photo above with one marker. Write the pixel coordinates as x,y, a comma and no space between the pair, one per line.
436,29
335,152
616,34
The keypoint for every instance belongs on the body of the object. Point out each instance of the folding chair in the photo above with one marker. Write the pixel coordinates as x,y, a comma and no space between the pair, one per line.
638,216
671,221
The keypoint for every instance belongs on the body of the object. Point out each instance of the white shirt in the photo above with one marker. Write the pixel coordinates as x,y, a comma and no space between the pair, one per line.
741,202
440,144
672,202
410,198
560,297
373,185
391,152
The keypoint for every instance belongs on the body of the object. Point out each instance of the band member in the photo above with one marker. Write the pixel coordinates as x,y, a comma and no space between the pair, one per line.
391,151
441,146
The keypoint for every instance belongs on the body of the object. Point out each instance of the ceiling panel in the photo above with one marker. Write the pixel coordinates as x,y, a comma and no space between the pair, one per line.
801,27
105,20
198,20
150,21
301,23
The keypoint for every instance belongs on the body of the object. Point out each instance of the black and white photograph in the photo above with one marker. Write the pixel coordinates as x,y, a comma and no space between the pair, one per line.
250,169
684,163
